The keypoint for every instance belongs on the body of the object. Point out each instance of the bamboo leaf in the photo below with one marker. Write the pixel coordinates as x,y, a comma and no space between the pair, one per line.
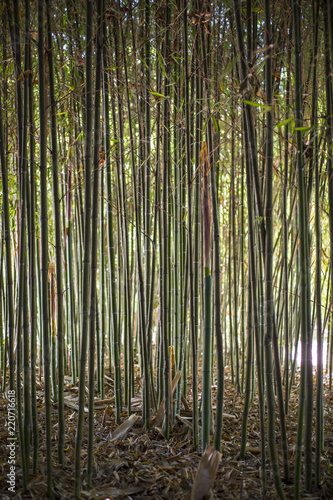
161,61
284,122
302,129
159,95
230,66
258,105
205,125
215,123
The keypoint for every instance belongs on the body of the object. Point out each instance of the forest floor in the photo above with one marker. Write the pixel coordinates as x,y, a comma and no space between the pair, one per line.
143,465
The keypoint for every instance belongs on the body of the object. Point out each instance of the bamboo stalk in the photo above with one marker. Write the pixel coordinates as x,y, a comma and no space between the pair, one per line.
44,244
206,361
87,247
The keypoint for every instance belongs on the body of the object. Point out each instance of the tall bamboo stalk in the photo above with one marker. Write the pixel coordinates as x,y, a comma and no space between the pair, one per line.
302,237
143,312
94,238
58,242
44,243
9,275
216,257
319,398
102,290
121,178
206,360
234,254
21,330
25,204
110,235
32,270
328,16
87,245
248,376
254,298
285,243
189,235
196,209
269,304
314,166
165,254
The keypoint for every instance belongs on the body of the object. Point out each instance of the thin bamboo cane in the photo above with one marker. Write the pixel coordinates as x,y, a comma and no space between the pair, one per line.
206,360
166,237
58,246
94,238
216,262
269,300
44,243
303,242
121,177
144,347
87,247
189,237
110,231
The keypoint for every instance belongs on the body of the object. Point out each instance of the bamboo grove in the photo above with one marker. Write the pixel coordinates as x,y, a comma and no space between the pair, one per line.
167,200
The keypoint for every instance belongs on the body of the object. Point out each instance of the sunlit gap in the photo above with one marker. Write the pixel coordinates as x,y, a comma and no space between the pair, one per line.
314,354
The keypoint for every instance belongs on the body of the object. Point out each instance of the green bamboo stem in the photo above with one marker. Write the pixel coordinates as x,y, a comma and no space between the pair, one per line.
234,255
147,184
248,378
242,272
110,236
44,243
269,301
121,178
87,247
319,396
207,336
231,336
9,277
71,320
94,238
9,271
285,247
102,294
52,312
144,347
23,414
250,122
176,207
303,242
189,236
206,360
165,305
216,261
58,247
197,231
25,185
254,298
328,16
